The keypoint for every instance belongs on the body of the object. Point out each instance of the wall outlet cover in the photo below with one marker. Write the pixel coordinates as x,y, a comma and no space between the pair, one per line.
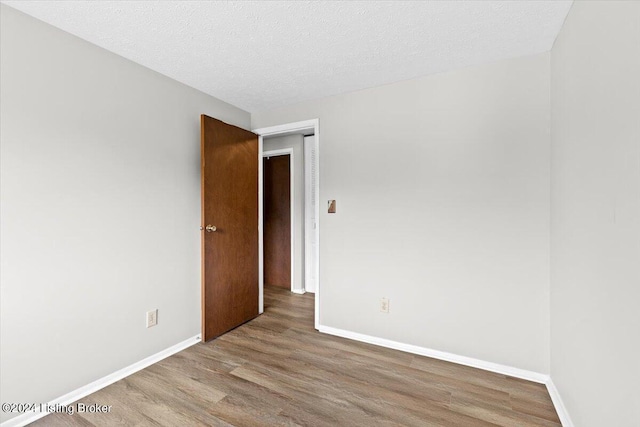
152,318
384,305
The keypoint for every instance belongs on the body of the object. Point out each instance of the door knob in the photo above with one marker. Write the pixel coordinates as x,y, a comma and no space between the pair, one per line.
210,228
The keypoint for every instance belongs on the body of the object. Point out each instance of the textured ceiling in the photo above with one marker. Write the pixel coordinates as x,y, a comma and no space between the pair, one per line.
262,55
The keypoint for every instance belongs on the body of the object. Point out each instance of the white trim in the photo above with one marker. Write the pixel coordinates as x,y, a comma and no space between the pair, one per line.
260,236
307,125
278,152
309,219
79,393
563,414
288,128
316,132
442,355
292,205
536,377
299,291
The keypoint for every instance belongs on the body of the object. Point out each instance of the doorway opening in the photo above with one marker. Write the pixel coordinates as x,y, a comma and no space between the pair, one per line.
300,142
280,208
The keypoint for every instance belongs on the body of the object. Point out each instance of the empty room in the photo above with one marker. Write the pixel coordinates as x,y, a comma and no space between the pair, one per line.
320,213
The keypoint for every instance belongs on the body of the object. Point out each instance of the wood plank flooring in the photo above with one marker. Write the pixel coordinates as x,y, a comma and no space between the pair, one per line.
277,370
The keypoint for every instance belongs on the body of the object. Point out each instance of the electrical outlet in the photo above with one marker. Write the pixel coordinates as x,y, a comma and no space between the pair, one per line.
152,318
384,305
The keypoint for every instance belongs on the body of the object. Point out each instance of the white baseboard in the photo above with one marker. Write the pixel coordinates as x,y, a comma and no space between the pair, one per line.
298,291
29,417
24,419
462,360
563,414
436,354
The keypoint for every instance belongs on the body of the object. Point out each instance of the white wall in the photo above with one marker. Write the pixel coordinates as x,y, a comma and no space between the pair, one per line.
595,205
442,189
100,187
295,142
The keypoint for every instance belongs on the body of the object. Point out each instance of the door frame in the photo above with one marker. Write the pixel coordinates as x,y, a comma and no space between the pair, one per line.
292,201
309,218
313,126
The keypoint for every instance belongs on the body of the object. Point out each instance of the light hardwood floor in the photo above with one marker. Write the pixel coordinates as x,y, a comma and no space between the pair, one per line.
277,370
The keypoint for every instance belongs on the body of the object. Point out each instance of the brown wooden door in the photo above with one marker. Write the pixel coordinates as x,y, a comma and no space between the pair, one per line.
277,221
229,158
